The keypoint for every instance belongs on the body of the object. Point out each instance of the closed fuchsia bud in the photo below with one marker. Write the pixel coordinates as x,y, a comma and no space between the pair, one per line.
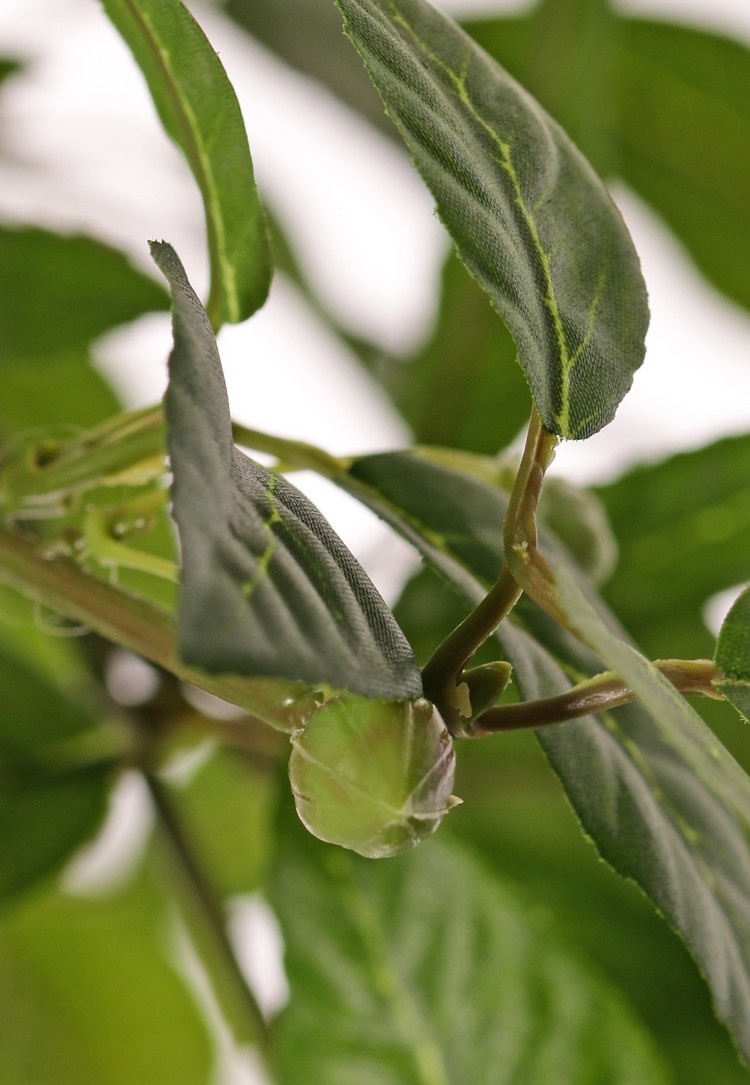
373,776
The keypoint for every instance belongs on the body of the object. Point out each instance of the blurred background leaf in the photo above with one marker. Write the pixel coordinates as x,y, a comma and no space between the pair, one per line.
89,994
405,961
47,282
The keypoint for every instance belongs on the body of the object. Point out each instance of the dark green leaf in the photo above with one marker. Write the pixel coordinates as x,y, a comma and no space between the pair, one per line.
565,53
733,655
579,520
88,996
58,293
529,217
199,110
34,714
515,811
659,795
684,831
44,819
47,810
684,132
8,68
682,527
426,971
267,587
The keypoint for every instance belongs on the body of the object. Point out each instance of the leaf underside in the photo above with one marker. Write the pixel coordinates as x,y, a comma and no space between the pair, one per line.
267,587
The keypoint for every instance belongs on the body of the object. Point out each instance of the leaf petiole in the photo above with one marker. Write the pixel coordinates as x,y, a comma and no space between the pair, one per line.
597,694
524,569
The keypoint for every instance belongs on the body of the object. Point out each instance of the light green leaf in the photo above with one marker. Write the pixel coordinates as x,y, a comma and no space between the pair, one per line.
373,776
529,217
58,293
267,587
199,110
426,971
28,401
733,655
228,812
88,995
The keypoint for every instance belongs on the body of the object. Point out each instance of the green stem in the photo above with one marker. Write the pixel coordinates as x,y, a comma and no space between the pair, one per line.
441,676
296,455
141,627
207,924
598,694
523,559
128,445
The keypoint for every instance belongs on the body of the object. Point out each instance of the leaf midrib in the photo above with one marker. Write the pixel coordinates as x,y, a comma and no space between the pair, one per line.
200,161
409,1021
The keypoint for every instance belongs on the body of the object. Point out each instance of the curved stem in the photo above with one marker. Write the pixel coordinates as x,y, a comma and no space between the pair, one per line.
598,694
441,676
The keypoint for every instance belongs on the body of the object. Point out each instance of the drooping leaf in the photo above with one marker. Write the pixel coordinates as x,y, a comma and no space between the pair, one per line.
660,797
373,776
267,587
684,133
733,655
199,110
529,217
93,979
57,293
425,969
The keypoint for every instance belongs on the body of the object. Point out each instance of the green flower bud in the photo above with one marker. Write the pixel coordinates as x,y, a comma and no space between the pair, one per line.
373,776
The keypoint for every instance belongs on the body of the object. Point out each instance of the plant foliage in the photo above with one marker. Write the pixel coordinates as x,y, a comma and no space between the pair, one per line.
502,950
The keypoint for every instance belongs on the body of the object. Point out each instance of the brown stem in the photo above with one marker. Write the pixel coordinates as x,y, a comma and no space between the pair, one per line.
597,694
